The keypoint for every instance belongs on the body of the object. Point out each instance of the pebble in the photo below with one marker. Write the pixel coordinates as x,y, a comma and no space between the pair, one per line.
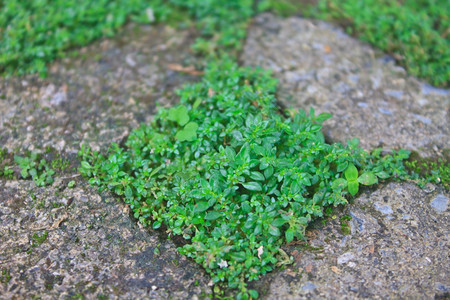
345,258
309,286
440,203
384,209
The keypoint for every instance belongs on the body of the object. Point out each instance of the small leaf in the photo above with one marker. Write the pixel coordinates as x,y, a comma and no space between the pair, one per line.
253,186
201,206
188,133
128,192
237,135
24,173
351,173
246,207
197,103
353,187
253,293
268,172
367,178
323,117
278,222
342,166
312,112
156,225
85,165
353,143
382,175
257,176
179,114
339,183
274,230
212,215
289,235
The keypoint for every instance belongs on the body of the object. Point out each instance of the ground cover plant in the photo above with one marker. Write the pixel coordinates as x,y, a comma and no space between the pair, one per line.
416,32
233,175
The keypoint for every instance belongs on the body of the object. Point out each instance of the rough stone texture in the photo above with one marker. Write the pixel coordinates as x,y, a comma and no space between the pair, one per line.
93,248
399,253
369,96
98,97
397,239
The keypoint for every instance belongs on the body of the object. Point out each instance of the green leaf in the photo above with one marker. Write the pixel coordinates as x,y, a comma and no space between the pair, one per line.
353,143
278,222
257,176
312,112
238,256
351,173
382,175
156,225
367,178
188,133
253,186
85,165
323,117
274,230
246,207
244,154
179,114
342,166
128,192
212,215
197,103
353,187
201,206
24,173
339,184
253,293
289,235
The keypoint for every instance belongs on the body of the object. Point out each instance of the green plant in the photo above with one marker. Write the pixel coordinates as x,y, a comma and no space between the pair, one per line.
345,227
71,184
36,167
37,240
35,32
5,169
283,8
424,171
6,276
414,31
60,164
248,181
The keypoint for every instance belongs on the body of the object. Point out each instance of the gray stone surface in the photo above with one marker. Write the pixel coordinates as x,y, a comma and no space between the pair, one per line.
93,248
395,245
401,257
369,96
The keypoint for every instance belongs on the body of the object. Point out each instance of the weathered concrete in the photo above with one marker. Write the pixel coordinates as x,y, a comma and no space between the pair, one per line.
396,246
369,96
98,97
93,248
